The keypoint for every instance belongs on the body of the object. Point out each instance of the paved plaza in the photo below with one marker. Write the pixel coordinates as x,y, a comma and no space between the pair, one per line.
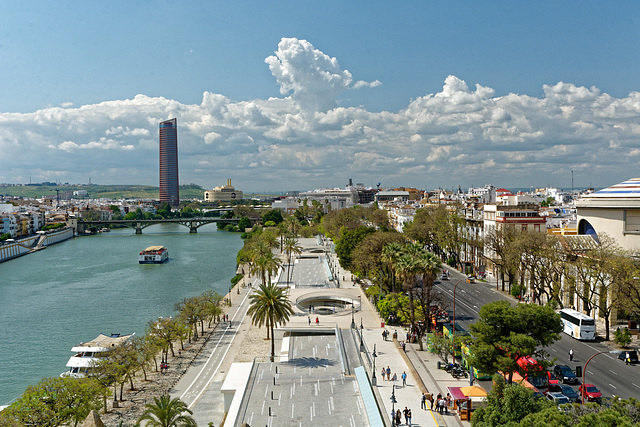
314,379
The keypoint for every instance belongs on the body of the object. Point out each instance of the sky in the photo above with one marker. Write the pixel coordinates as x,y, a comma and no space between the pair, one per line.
291,95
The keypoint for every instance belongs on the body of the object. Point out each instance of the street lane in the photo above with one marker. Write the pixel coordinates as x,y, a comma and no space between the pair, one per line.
605,371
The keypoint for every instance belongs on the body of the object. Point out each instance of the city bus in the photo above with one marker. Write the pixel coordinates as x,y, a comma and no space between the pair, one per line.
533,372
578,325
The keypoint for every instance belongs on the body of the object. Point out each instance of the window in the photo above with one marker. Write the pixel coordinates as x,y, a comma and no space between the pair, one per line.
632,221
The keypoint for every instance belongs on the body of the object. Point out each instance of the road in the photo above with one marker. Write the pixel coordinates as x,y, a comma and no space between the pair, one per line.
611,376
200,387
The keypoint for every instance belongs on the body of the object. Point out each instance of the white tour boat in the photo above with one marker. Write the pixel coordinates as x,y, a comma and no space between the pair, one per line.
154,255
88,354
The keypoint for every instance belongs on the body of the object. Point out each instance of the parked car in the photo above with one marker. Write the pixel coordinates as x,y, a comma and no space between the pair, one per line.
444,276
590,392
553,379
570,393
565,374
471,279
629,356
558,398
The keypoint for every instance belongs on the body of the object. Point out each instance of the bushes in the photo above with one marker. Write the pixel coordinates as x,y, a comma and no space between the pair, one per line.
622,337
517,290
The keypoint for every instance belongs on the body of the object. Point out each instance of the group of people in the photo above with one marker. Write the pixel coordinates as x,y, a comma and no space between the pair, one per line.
317,320
442,403
385,335
386,373
397,416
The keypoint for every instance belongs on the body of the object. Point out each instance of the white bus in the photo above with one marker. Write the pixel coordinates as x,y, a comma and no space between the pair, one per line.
578,325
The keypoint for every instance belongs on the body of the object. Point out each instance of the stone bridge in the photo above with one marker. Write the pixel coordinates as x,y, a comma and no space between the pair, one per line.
139,224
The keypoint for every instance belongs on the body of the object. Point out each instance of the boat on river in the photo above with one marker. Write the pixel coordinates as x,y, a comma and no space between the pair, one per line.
88,355
154,255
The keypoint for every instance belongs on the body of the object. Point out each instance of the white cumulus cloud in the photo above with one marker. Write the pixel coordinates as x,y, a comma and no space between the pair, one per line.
460,134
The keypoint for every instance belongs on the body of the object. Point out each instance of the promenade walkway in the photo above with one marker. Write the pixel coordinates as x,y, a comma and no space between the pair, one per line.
200,387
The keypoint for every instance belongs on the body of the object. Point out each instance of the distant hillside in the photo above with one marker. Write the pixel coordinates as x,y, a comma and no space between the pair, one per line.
190,191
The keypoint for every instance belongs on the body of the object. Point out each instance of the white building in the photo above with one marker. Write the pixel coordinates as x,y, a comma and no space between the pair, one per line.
225,193
615,211
486,194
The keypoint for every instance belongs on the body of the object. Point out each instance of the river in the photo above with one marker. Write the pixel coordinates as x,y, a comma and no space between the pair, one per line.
70,292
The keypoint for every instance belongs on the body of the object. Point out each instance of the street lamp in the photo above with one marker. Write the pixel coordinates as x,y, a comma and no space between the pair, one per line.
374,380
454,318
353,322
584,371
393,403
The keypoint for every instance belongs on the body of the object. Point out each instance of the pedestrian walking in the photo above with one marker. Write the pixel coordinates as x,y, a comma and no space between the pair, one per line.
431,399
404,378
384,335
448,403
309,318
438,399
395,378
441,403
398,417
409,417
393,417
383,373
405,412
571,355
423,402
402,345
317,321
388,373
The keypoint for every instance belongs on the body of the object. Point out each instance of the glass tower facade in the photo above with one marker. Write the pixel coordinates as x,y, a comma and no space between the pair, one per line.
169,190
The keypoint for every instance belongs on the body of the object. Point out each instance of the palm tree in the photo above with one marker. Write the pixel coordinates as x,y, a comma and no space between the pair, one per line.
390,254
167,412
270,307
429,265
291,246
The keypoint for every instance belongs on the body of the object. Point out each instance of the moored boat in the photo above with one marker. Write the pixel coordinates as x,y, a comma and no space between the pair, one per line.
87,355
154,255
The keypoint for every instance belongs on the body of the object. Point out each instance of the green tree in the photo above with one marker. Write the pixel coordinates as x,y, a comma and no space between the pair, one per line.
349,241
274,215
367,259
55,401
270,307
390,254
505,333
290,248
244,223
507,405
333,222
622,337
167,412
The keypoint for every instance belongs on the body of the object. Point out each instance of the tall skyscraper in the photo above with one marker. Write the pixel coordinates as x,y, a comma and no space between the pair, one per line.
169,190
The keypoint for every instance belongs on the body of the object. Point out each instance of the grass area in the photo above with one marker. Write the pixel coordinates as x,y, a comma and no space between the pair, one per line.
187,192
100,191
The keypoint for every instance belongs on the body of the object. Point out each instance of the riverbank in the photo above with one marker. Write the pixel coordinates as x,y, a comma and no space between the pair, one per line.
131,407
33,243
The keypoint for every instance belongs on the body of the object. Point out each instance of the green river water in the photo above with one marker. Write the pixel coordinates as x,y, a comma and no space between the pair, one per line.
71,292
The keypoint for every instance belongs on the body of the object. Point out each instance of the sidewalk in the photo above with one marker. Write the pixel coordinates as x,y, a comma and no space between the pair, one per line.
422,374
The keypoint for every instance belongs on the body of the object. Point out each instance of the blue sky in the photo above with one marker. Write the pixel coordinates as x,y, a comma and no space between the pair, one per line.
374,91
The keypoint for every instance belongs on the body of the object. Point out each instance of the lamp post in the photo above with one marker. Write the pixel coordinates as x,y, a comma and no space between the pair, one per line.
353,322
584,370
393,403
374,380
454,318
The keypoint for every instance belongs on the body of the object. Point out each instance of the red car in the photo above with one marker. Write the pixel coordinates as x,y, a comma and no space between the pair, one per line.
553,380
591,393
